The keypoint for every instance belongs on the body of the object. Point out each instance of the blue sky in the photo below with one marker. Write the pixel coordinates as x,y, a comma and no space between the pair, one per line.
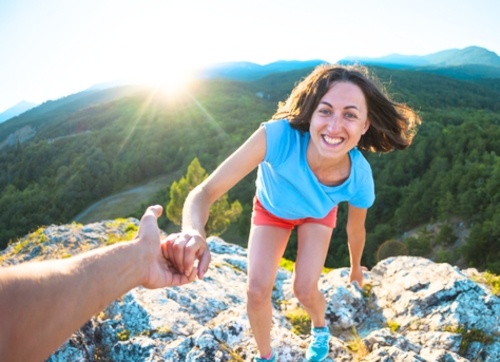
52,48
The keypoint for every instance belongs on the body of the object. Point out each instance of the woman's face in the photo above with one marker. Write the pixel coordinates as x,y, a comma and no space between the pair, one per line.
339,120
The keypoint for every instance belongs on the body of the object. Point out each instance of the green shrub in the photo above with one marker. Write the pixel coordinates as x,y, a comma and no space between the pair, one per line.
300,320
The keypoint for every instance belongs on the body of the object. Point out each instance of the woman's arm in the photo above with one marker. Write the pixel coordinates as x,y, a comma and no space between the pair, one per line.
356,236
197,206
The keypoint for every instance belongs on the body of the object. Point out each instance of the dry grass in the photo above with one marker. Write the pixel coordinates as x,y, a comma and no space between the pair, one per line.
125,203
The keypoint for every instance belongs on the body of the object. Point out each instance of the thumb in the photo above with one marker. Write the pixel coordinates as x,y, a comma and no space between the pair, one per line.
148,221
154,210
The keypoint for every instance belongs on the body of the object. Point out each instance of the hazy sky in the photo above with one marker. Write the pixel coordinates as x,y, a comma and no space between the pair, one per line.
52,48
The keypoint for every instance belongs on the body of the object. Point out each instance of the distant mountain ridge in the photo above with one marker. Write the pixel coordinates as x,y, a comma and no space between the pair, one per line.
16,110
469,63
472,55
43,114
251,71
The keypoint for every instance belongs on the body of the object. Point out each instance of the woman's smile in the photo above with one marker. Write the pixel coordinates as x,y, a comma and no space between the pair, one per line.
334,141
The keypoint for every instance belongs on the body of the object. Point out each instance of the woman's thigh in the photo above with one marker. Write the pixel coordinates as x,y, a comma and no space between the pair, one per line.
266,246
313,243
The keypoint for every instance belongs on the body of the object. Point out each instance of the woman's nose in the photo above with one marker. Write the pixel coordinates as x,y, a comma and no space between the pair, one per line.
334,122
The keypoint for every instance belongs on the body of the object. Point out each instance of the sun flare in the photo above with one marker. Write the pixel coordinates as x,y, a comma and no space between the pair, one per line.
169,80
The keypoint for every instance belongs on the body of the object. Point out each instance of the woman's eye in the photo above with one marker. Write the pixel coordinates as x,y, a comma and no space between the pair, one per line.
325,111
350,115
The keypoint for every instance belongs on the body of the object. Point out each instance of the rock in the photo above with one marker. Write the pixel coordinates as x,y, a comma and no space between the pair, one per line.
410,309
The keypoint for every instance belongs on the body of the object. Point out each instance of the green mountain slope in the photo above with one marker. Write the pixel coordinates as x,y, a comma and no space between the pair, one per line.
95,144
82,154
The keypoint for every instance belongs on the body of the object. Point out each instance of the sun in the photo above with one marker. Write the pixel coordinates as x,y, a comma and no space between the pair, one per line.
151,43
162,66
168,78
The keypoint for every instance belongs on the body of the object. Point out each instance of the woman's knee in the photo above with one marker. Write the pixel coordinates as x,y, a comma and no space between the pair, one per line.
305,292
258,293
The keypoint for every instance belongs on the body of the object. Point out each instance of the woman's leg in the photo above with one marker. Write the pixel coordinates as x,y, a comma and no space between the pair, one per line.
265,248
313,242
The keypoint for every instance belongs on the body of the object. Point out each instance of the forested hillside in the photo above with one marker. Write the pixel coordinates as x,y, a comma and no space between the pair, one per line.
88,146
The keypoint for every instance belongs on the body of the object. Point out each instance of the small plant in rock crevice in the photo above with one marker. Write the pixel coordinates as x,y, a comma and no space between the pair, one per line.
469,336
393,326
357,346
300,320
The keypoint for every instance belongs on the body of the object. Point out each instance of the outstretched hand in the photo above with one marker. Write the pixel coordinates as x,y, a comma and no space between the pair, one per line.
48,295
162,269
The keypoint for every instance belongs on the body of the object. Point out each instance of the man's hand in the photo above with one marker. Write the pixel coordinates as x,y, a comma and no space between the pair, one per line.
59,296
161,268
184,249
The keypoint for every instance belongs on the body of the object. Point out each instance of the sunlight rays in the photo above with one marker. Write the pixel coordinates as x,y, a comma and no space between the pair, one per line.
169,93
140,112
211,120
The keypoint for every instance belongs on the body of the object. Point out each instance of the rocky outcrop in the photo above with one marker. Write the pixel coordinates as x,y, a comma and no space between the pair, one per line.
21,135
410,309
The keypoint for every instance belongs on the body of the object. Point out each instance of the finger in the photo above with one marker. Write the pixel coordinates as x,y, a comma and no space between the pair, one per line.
356,286
164,249
168,250
360,280
191,276
168,254
176,253
171,238
190,253
181,278
203,263
154,210
148,221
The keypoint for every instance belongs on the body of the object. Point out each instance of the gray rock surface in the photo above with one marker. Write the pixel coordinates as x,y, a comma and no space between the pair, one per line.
410,309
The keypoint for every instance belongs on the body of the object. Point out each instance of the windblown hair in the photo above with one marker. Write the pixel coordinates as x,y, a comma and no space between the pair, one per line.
392,125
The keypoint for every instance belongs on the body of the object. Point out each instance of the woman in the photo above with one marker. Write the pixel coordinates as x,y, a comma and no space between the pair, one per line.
309,160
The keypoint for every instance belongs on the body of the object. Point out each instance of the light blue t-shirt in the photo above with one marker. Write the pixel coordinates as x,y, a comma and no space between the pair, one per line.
287,187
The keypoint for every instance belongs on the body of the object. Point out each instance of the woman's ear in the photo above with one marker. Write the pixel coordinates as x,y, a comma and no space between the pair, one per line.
367,125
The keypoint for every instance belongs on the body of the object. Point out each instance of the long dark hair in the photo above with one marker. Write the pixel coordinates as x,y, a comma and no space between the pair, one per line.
392,125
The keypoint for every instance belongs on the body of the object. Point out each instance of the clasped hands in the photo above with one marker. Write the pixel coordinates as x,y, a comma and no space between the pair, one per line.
174,261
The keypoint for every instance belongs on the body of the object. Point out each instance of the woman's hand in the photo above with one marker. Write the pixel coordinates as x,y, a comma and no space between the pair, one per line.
184,249
356,275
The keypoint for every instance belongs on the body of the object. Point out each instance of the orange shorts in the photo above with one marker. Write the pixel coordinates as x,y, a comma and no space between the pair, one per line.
260,216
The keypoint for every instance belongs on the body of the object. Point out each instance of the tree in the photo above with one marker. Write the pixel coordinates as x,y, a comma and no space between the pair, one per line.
222,212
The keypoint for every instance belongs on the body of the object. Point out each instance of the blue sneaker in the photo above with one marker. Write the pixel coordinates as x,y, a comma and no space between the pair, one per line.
319,347
272,359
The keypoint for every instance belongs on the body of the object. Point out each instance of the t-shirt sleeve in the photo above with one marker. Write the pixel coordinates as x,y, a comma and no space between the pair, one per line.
365,196
277,134
363,192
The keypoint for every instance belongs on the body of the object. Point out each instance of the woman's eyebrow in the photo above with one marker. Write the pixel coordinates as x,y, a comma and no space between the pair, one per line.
346,107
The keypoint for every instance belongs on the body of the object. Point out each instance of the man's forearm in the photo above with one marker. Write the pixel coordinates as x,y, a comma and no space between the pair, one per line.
42,303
